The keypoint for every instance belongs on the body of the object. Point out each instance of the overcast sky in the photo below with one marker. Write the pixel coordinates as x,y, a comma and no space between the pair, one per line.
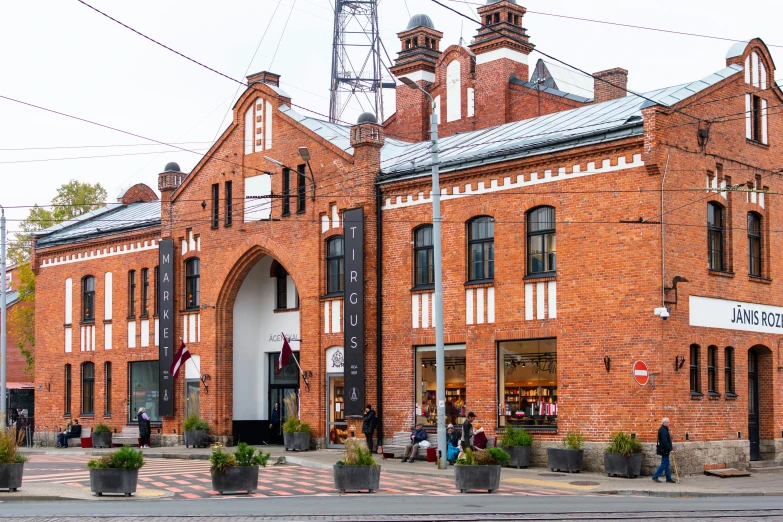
62,55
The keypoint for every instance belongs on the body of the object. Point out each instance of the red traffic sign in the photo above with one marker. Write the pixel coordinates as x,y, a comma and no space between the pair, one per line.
640,372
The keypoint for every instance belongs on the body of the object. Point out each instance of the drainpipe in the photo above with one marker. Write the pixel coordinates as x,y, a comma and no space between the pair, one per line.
379,309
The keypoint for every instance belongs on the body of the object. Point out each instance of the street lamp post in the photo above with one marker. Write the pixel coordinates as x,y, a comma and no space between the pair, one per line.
2,319
440,357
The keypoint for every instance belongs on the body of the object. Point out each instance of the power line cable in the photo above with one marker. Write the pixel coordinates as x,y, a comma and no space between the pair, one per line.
282,35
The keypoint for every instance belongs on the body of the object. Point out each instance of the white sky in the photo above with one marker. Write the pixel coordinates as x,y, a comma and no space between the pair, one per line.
64,56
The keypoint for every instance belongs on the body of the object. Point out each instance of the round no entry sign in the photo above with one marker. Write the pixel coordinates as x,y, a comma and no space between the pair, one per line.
640,372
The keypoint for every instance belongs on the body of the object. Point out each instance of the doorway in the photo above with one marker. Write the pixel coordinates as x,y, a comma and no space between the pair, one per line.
288,400
336,425
192,397
754,434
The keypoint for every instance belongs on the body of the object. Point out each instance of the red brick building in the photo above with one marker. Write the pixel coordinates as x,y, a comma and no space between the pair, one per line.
571,225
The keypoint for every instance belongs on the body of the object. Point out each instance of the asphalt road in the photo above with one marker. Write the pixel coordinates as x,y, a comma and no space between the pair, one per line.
476,507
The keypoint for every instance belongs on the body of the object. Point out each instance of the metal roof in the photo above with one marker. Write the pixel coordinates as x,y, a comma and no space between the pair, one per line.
83,217
564,79
611,120
11,297
124,218
550,90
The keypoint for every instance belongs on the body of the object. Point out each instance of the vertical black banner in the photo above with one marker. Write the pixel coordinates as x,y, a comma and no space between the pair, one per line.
353,316
166,344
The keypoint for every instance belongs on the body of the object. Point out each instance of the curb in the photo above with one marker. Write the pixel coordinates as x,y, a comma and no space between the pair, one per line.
684,494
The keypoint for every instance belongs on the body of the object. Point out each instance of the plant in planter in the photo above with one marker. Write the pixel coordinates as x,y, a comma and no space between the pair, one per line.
101,436
568,458
358,470
11,459
296,435
518,443
237,472
623,456
196,431
116,472
480,469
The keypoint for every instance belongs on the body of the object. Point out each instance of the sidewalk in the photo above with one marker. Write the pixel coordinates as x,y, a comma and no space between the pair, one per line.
759,484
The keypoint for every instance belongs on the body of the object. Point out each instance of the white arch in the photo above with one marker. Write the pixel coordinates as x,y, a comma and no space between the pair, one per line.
453,91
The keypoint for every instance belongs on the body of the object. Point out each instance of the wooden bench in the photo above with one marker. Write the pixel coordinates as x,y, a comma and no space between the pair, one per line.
129,436
84,440
402,439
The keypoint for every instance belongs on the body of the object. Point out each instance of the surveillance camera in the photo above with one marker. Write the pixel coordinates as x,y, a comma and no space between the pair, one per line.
663,313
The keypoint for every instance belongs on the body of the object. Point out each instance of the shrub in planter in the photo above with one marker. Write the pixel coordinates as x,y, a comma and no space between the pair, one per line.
116,472
623,456
196,431
517,442
101,436
237,472
11,459
569,457
296,435
480,469
358,470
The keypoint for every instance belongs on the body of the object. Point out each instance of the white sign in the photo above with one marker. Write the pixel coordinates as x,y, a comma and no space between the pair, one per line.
736,315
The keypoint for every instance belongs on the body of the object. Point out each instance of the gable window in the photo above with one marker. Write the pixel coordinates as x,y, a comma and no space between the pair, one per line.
107,388
729,370
423,256
695,384
301,188
88,298
67,389
481,249
541,241
754,244
132,293
215,205
286,191
192,283
229,203
712,364
145,291
281,277
334,265
88,388
715,236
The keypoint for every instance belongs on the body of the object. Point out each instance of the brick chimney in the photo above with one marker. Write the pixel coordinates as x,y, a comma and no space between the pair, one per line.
420,44
367,139
266,77
168,181
610,84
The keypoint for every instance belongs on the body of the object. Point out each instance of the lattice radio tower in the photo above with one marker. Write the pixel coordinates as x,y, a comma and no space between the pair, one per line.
357,69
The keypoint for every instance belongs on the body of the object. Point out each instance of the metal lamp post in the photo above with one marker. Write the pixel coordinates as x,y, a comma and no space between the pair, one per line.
440,357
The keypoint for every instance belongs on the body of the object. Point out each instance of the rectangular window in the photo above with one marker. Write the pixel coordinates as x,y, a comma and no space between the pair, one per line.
145,291
729,371
756,118
88,388
282,288
67,389
456,400
107,385
712,363
286,191
143,385
527,383
132,293
157,290
229,203
301,188
215,205
695,384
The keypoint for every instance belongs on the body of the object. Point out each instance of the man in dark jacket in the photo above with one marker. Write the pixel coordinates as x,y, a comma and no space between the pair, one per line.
417,435
664,448
71,432
368,425
467,432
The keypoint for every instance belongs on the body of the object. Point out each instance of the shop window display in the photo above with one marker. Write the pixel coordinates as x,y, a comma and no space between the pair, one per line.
456,399
144,389
528,383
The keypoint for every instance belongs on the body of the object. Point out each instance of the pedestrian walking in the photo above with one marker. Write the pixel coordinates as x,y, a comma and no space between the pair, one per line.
274,424
369,424
664,448
144,428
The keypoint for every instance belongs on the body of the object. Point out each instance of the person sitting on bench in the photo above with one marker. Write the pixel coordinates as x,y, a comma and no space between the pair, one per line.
71,432
417,436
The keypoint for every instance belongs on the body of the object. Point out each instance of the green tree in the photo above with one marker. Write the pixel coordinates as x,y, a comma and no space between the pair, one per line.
72,200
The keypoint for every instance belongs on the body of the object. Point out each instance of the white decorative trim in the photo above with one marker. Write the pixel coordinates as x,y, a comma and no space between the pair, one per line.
748,118
107,339
99,254
157,332
335,217
68,340
415,302
337,316
469,306
552,297
107,296
268,127
425,311
453,91
540,313
471,102
549,176
503,52
417,76
132,334
747,70
68,301
754,60
491,304
529,302
145,333
326,317
764,134
324,224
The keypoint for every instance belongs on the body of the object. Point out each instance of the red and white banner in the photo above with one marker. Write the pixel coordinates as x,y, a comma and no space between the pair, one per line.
180,358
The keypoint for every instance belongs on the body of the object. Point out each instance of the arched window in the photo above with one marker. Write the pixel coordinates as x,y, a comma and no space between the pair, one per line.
729,370
192,283
453,91
281,279
132,293
88,298
712,364
107,388
88,388
423,256
481,249
145,291
334,265
754,244
715,236
541,241
695,381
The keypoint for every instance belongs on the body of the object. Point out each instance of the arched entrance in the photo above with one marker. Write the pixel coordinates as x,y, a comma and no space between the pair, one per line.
760,404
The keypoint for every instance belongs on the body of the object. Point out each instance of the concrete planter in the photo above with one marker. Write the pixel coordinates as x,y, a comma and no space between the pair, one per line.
114,480
622,466
101,440
236,478
11,476
561,459
357,478
296,441
477,477
196,438
520,456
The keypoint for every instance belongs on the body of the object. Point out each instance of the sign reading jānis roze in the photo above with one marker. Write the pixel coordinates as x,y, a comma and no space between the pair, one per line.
736,315
353,316
166,346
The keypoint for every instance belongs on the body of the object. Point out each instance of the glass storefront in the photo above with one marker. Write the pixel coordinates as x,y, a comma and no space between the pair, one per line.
144,389
338,426
456,399
527,381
